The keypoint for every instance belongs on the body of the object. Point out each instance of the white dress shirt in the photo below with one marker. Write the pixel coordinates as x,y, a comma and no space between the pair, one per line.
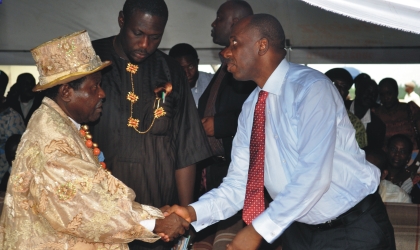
314,169
201,85
413,96
366,118
26,106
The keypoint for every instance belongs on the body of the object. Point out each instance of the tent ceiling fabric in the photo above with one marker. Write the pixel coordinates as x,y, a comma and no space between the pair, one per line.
397,14
315,35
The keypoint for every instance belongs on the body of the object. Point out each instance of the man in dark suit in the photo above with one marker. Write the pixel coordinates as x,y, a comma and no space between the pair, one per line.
219,108
26,101
221,102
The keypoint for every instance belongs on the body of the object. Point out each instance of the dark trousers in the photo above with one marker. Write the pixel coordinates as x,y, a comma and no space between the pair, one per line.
371,230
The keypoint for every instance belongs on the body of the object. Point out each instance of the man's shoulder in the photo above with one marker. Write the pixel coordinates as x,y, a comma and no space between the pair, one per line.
103,47
305,74
171,61
173,65
204,76
301,78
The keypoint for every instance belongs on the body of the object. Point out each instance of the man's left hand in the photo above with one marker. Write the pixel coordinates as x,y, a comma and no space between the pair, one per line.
246,239
208,124
171,227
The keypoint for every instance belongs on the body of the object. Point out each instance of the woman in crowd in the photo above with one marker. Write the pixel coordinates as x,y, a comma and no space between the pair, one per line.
399,118
399,173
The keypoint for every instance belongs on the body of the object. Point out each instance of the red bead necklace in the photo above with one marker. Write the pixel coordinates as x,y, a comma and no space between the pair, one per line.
84,131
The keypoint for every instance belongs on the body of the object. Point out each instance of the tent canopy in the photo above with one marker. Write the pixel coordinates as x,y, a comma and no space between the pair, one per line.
315,35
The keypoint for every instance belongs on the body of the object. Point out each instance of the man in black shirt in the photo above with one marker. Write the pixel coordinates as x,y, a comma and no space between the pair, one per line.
150,131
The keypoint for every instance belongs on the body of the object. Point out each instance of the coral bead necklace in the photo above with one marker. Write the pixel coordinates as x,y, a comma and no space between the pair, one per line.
84,131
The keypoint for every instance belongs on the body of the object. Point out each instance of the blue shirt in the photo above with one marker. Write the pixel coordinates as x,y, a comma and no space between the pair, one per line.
314,169
201,85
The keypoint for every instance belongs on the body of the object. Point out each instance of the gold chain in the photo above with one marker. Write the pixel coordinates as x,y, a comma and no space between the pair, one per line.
132,97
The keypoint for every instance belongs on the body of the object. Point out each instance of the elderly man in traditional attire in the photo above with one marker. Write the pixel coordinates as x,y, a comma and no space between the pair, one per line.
60,195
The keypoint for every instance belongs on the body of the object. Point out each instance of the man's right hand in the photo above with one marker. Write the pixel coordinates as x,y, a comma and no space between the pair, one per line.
188,213
171,227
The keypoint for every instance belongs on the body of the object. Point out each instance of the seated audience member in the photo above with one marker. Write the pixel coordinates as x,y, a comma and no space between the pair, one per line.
342,81
60,196
399,150
27,101
411,95
10,151
10,123
365,100
389,192
399,118
187,56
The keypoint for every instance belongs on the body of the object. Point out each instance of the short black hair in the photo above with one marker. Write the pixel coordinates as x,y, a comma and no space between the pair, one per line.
241,7
4,80
380,156
152,7
363,85
269,28
53,92
361,78
389,82
26,78
183,49
403,138
341,75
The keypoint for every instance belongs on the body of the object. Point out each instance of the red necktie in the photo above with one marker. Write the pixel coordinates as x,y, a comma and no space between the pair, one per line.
254,196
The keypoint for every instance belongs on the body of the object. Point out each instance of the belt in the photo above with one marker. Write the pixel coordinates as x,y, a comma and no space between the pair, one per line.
351,215
218,159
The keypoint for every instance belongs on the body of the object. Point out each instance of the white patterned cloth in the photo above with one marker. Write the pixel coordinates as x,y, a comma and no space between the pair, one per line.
397,14
392,193
10,123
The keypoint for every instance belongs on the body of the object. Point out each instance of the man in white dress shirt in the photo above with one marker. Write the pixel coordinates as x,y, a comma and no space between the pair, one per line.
410,94
324,191
187,56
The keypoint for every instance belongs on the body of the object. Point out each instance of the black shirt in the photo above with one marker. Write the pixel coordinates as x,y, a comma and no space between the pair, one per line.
147,162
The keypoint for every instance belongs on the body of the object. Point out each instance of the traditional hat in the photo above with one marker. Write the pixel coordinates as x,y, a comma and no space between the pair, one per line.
410,84
66,59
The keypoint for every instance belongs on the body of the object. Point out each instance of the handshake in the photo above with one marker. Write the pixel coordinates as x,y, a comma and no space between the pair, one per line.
177,221
178,218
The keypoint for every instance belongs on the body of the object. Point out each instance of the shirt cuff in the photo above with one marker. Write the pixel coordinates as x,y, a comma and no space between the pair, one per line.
266,227
203,213
149,224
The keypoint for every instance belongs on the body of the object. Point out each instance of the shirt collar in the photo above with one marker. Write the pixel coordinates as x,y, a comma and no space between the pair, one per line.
75,123
276,79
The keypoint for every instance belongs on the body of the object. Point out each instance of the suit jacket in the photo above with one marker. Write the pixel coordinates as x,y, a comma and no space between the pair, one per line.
16,106
58,196
230,97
